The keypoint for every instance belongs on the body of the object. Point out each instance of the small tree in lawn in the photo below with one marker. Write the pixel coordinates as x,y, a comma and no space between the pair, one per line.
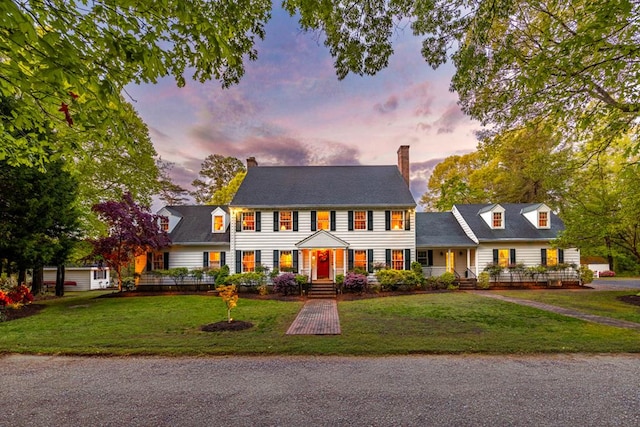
229,295
132,231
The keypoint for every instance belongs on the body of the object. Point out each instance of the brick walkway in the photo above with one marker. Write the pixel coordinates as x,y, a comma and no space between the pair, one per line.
317,317
565,311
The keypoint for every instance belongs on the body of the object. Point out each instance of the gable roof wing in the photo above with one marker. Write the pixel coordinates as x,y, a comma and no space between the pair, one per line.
323,186
517,227
195,225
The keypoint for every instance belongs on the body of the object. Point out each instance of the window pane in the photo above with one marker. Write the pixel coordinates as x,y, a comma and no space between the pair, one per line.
286,260
323,222
158,261
248,261
397,259
218,223
286,220
164,224
422,258
503,257
543,219
360,220
497,219
248,221
397,220
360,259
214,259
552,257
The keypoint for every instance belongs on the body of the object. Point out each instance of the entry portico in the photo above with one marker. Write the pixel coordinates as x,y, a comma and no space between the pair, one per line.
323,256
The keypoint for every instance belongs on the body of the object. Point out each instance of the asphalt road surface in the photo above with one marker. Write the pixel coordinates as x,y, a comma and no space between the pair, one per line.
615,284
564,390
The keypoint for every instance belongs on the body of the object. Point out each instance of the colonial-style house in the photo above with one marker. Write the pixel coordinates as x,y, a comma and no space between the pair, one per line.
322,221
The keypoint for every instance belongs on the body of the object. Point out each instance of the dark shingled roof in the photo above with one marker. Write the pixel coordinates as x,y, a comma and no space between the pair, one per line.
517,227
323,186
195,225
440,229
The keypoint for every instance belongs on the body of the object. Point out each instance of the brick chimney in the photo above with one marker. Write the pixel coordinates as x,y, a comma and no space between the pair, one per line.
251,162
403,162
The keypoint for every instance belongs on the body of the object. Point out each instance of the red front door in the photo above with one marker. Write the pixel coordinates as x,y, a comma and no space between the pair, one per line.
323,264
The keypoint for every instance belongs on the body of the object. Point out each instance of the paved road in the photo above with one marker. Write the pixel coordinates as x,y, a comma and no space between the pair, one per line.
566,390
615,284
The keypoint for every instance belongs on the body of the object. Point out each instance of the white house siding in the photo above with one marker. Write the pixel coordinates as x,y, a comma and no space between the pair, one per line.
268,240
528,253
191,256
83,276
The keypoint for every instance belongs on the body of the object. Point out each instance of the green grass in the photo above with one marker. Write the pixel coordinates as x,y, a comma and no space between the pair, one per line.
423,324
601,303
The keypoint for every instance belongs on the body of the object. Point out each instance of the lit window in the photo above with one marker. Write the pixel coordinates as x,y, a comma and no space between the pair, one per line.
360,260
503,258
164,223
552,257
497,220
323,220
218,223
397,259
360,220
286,260
248,261
158,261
543,219
214,260
248,221
397,220
286,221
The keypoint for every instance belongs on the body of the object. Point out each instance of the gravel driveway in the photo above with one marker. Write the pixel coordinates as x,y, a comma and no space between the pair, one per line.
565,390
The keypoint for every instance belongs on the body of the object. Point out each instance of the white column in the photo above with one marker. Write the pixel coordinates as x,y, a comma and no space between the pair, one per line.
344,261
333,258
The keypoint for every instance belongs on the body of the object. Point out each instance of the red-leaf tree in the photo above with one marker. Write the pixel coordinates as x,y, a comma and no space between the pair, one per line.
132,231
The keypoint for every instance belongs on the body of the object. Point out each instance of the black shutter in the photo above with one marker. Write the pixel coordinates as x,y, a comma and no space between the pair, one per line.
561,256
313,221
543,256
407,259
407,221
238,261
370,260
430,257
295,220
295,261
276,259
387,257
350,221
258,221
387,220
370,220
496,258
149,261
258,260
239,221
512,256
350,259
332,217
166,260
223,258
205,259
276,220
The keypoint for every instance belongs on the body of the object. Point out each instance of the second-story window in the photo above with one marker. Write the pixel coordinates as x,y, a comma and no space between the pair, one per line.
323,220
360,220
497,220
543,219
164,223
397,220
218,223
248,221
286,220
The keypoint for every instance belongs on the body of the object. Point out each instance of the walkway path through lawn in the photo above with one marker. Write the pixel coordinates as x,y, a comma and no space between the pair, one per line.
565,311
317,317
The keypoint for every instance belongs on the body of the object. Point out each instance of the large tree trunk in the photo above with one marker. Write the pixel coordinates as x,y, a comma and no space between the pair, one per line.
60,281
38,279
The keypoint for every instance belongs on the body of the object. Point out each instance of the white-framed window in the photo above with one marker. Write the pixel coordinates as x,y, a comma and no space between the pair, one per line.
158,261
214,260
164,223
285,260
397,220
286,220
248,261
503,257
397,259
360,259
552,257
218,224
496,220
323,220
360,220
100,274
248,221
422,257
543,219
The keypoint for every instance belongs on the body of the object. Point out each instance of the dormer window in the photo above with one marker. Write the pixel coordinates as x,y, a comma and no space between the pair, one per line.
218,224
164,223
497,220
543,219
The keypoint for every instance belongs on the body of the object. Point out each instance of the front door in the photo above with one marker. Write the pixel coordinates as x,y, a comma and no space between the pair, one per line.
323,264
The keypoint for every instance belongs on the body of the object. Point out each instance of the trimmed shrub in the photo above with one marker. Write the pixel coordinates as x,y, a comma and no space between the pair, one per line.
355,282
285,284
483,280
586,275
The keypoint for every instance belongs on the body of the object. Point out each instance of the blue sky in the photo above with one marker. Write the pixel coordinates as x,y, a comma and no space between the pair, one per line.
291,109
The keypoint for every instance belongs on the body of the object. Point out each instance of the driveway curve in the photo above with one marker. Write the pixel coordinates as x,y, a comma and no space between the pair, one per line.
564,390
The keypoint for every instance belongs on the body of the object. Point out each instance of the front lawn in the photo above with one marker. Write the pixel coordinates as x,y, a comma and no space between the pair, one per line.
422,324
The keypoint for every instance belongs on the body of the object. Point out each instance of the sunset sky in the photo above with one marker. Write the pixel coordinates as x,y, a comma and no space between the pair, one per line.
291,109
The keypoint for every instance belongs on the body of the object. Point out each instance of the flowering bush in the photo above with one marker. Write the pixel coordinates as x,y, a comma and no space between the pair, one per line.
355,282
285,284
17,295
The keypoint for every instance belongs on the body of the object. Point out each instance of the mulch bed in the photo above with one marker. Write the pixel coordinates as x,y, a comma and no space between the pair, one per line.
234,325
24,311
630,299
